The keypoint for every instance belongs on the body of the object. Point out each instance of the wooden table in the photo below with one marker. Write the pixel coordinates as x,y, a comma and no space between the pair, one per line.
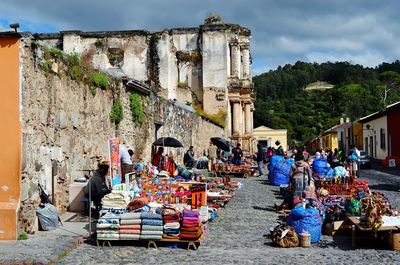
355,224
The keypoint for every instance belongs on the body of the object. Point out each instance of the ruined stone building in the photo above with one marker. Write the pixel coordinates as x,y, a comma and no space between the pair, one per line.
208,67
56,120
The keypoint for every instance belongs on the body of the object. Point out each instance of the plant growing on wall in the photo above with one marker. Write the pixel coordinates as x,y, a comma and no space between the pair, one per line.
100,80
136,108
117,112
218,118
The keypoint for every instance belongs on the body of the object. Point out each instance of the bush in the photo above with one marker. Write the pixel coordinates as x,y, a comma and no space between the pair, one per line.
73,59
181,84
75,72
117,112
100,80
22,236
136,108
46,66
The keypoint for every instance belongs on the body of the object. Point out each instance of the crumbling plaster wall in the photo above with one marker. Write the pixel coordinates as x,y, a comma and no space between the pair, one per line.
215,75
96,49
66,129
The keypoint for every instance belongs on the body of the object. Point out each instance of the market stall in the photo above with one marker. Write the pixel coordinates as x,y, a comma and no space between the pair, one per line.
156,209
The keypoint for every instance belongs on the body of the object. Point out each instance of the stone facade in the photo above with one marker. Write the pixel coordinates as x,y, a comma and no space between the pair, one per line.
208,66
65,129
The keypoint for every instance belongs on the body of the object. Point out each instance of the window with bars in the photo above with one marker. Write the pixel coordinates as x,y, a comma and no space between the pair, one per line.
383,138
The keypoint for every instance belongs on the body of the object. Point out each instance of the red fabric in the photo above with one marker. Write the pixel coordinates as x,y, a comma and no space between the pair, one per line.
156,159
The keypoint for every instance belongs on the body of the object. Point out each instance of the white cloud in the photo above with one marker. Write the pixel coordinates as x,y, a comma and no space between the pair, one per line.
284,31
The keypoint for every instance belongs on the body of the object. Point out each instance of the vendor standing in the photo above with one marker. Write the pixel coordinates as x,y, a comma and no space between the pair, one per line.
158,158
126,161
212,155
237,155
97,187
188,158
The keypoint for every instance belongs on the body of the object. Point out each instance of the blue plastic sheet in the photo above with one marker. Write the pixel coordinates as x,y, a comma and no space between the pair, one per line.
306,220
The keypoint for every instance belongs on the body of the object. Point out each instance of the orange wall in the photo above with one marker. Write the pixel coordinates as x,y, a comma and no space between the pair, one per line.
10,136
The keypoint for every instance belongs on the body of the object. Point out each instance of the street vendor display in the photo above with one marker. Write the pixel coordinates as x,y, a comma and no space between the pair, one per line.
152,207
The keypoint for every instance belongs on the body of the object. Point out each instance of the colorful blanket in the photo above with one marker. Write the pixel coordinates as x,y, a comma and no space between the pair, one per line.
129,226
129,231
151,232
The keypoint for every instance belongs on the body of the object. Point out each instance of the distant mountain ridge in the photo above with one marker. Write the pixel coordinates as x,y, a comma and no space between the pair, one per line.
308,98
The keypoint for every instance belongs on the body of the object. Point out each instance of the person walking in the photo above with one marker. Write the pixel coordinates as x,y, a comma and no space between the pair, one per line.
260,158
212,155
237,155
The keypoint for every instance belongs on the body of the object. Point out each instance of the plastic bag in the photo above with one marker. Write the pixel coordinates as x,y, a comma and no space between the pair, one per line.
306,220
48,216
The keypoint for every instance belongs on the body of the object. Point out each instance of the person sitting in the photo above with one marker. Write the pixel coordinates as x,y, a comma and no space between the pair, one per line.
96,187
188,158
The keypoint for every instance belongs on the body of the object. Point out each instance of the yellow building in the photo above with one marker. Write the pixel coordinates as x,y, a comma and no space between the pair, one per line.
267,137
330,139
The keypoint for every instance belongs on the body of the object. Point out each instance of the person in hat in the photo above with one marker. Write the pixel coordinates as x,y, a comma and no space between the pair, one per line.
97,186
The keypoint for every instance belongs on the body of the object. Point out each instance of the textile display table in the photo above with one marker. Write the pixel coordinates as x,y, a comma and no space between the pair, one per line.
191,244
354,222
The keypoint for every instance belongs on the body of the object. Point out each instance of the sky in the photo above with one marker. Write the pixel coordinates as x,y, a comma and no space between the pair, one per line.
363,32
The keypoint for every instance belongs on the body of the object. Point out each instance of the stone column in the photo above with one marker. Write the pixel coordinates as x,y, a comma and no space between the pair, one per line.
246,61
236,117
235,58
247,109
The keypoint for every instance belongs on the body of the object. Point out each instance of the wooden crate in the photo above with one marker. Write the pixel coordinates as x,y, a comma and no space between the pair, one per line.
394,241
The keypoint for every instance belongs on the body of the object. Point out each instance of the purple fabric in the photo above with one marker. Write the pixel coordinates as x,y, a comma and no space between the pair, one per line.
187,213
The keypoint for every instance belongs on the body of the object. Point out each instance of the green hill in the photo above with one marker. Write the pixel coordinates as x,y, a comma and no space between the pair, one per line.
284,98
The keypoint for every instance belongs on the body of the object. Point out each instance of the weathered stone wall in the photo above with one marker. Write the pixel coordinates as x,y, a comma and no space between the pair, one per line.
66,128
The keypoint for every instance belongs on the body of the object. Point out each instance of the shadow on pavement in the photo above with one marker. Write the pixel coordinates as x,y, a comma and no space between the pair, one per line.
269,208
387,187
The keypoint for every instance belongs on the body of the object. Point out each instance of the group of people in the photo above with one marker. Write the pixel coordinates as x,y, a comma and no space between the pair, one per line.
301,177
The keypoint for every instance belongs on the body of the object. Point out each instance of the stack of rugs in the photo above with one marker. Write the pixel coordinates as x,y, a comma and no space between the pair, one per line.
130,226
138,203
171,216
191,228
115,200
152,226
107,227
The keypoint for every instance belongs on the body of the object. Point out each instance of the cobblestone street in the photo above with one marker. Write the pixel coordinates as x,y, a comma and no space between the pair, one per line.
237,236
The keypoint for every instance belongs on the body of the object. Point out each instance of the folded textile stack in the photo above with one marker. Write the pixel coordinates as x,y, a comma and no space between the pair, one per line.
130,226
171,217
107,227
116,200
152,226
191,228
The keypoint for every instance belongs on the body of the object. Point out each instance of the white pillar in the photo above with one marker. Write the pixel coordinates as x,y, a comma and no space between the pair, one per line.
246,61
235,60
247,118
236,118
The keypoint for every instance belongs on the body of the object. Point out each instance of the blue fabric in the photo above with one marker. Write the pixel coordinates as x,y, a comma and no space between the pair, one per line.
151,216
306,220
152,222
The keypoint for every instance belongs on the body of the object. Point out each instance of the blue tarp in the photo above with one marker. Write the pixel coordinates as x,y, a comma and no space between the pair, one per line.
279,169
306,220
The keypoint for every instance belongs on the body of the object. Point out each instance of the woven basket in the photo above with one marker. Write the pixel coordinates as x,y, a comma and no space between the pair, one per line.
305,240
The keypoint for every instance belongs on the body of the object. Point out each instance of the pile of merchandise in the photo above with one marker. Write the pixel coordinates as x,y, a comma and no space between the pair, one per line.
154,207
108,227
191,226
